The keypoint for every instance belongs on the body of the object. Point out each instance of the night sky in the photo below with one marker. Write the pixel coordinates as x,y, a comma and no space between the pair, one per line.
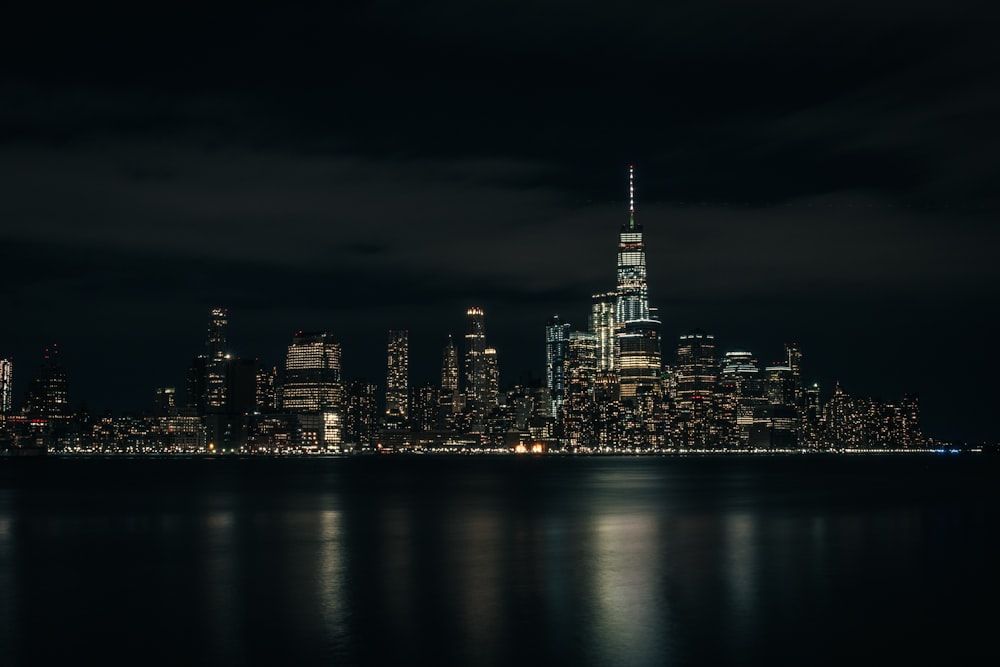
824,173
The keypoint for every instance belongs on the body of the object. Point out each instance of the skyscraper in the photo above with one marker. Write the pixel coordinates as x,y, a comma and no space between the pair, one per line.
450,400
602,325
632,291
216,394
639,360
577,410
6,386
312,373
492,384
207,377
476,371
556,345
48,397
397,377
696,383
638,334
739,391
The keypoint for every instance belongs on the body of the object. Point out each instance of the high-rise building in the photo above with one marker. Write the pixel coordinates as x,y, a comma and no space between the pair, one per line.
492,365
632,290
216,340
450,399
268,390
556,346
695,375
481,371
208,374
639,359
739,391
397,377
216,366
602,326
793,359
48,396
426,402
780,385
6,386
577,411
164,401
312,373
361,421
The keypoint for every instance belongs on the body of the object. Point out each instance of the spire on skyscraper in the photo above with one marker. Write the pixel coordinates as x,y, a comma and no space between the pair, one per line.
631,196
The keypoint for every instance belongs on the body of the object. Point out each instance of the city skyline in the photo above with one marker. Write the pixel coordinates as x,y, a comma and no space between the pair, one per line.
606,388
826,180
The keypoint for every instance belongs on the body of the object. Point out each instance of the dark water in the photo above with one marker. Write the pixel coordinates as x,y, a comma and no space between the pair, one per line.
500,560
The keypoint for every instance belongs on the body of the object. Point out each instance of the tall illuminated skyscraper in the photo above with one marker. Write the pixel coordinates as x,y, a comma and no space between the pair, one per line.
450,400
492,384
637,345
639,359
216,340
397,377
556,344
632,290
602,325
216,366
207,377
312,373
6,386
696,376
476,373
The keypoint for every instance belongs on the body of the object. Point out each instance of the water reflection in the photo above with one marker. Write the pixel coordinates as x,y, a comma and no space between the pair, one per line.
568,562
220,561
629,560
9,629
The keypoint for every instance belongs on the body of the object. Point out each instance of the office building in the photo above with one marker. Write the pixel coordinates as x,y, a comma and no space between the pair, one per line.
312,373
695,377
397,378
632,290
48,395
6,386
556,345
602,326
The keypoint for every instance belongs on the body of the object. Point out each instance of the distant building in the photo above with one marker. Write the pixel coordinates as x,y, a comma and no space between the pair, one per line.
577,410
695,377
268,390
639,360
6,386
397,378
556,347
208,375
482,372
602,326
312,373
164,400
450,399
361,414
48,395
632,290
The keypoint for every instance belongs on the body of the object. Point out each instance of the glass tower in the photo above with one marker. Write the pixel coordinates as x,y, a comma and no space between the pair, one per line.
396,382
556,345
632,291
6,386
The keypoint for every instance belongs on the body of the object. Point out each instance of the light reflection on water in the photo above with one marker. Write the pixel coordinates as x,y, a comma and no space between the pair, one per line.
582,562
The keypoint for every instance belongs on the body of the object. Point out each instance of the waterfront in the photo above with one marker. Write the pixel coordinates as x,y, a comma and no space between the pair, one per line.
498,560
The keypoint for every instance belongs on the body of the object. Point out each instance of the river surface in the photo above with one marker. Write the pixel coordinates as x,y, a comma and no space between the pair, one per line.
500,560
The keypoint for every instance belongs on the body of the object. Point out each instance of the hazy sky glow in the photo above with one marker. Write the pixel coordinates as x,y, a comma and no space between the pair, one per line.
822,174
